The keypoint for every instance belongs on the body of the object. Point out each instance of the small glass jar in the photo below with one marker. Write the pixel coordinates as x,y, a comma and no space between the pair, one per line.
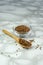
26,34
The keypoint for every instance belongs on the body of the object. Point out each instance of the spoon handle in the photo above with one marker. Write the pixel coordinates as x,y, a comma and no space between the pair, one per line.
11,35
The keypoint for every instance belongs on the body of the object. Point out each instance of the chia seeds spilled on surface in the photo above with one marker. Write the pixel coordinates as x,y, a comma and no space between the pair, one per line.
31,40
38,46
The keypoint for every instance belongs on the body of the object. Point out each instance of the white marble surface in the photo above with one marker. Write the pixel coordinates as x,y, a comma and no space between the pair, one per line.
21,11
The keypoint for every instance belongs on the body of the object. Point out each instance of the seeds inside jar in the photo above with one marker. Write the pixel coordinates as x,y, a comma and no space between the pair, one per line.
22,29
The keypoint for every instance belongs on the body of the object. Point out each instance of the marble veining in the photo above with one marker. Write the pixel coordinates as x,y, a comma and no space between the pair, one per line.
19,12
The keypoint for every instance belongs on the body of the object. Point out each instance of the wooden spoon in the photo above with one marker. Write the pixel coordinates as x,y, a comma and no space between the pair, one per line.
22,42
